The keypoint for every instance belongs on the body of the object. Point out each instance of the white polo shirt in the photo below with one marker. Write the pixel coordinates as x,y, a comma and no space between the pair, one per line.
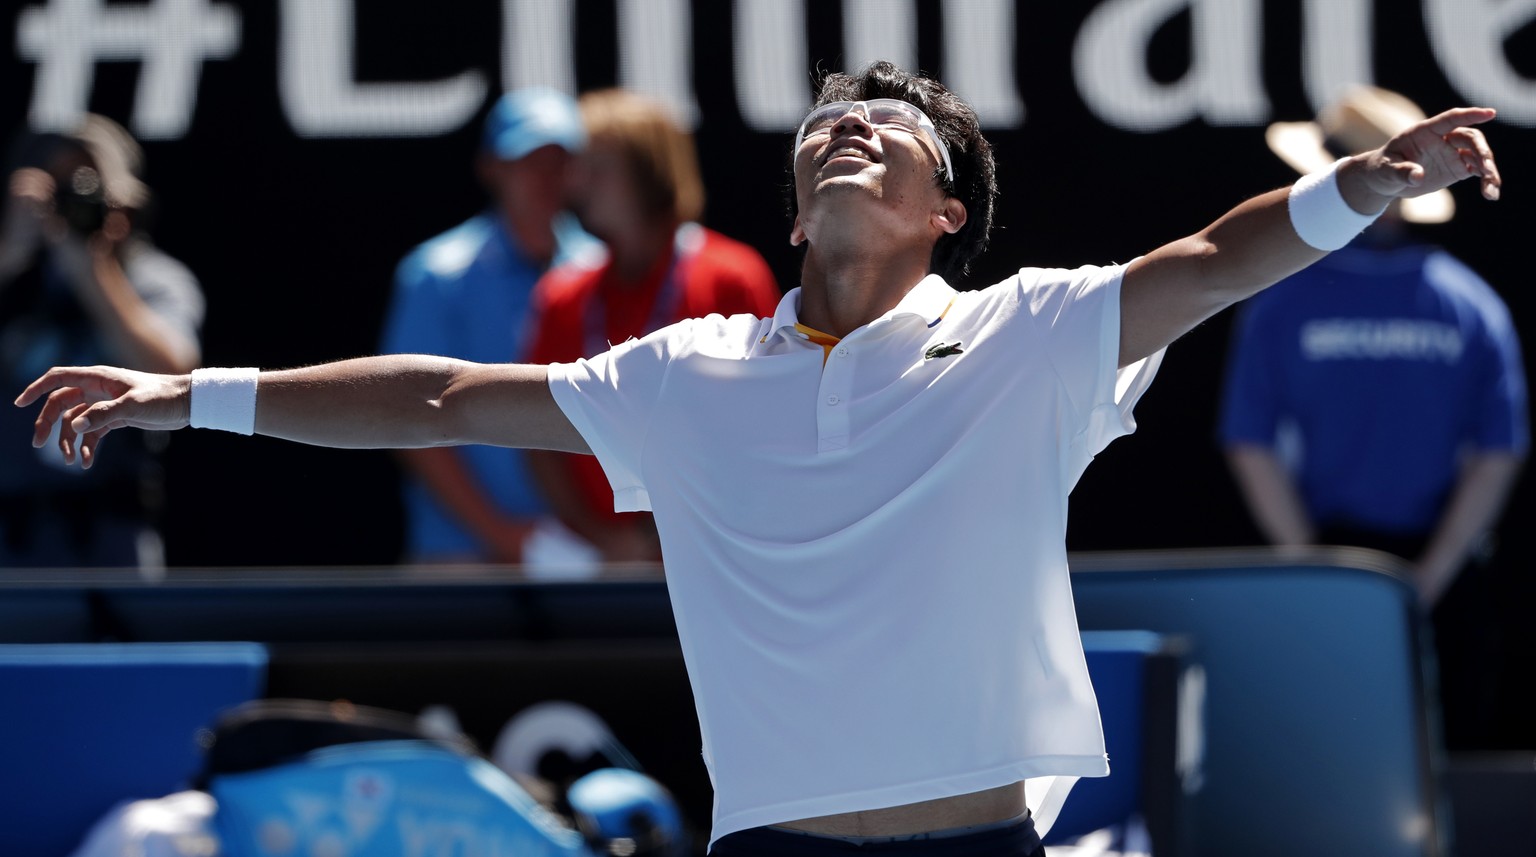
866,557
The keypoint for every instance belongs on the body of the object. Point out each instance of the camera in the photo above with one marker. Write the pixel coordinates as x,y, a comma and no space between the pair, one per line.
81,201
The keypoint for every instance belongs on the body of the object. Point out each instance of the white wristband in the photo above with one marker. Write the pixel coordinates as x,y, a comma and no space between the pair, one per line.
224,399
1319,213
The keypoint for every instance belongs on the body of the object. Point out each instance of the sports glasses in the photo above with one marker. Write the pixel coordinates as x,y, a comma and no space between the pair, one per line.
880,113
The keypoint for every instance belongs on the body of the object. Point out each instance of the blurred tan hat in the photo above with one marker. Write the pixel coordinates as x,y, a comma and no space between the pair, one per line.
118,158
1360,119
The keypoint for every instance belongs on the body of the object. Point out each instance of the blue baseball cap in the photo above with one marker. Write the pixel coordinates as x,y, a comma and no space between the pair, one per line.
527,119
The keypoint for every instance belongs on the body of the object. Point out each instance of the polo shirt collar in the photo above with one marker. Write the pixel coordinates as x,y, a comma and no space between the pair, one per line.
785,316
929,300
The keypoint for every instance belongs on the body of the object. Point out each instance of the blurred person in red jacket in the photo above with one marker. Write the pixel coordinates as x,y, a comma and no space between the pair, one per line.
637,187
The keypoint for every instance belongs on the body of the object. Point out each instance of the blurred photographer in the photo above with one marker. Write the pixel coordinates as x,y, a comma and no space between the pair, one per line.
81,282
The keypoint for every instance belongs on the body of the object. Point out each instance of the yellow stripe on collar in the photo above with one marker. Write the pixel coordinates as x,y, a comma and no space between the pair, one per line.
947,308
825,340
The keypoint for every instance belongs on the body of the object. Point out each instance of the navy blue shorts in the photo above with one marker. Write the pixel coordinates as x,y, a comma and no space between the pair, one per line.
1015,839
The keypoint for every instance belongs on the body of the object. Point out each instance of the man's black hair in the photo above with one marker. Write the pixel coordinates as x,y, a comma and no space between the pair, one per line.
975,182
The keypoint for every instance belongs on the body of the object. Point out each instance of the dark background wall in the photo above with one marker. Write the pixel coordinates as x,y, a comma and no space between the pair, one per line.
295,232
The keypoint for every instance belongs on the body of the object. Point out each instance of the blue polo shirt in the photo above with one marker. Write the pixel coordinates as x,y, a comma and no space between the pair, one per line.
465,294
1371,371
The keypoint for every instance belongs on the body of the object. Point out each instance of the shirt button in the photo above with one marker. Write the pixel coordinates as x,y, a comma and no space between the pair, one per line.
832,400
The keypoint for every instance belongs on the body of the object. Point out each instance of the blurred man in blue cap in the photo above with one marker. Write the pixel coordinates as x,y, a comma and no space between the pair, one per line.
464,293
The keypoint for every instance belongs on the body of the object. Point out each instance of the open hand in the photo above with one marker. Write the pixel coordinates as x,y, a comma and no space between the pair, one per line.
1433,154
89,402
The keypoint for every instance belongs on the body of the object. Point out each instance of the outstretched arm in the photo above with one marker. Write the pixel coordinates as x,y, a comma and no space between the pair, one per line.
1175,287
396,401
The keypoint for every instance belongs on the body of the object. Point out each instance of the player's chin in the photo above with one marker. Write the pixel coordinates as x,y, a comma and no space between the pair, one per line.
842,182
849,167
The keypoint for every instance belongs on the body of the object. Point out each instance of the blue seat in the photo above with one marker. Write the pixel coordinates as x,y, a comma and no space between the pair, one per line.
1315,705
85,726
1137,703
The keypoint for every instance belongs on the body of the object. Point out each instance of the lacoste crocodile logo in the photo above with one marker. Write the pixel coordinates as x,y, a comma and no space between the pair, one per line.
943,349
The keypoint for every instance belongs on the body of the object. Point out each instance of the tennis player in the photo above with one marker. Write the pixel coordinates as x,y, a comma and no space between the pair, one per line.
862,500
